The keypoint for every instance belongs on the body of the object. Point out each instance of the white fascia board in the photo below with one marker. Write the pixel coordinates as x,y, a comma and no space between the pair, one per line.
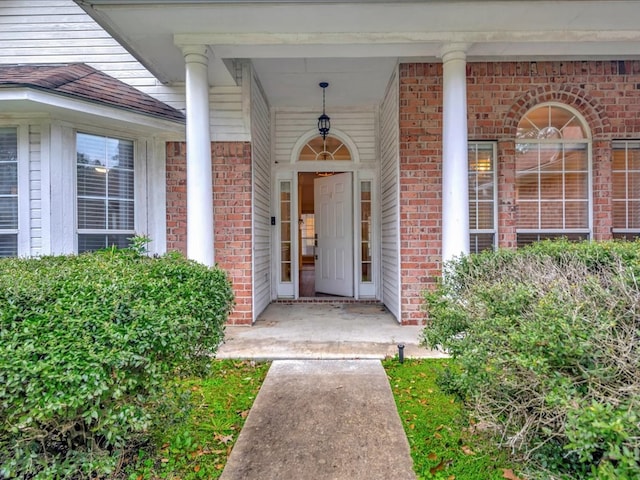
438,37
46,101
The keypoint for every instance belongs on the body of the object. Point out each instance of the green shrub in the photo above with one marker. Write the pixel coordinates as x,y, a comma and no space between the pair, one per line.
88,345
547,341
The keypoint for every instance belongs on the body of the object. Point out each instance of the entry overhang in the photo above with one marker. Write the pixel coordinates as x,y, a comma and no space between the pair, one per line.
498,30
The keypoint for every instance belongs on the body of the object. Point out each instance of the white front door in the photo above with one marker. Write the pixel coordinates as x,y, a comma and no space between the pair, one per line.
334,232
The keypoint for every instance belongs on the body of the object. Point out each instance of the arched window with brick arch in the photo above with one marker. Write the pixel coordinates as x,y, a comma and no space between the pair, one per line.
553,175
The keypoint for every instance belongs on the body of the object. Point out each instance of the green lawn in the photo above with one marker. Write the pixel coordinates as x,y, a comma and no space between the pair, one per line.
441,443
199,447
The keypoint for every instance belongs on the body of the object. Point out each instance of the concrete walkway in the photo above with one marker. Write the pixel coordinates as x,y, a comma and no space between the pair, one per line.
323,331
322,420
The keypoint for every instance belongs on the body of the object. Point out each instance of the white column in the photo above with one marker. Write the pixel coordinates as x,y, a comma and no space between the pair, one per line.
455,179
199,183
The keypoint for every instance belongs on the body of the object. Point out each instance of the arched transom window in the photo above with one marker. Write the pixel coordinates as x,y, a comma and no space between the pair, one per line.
552,175
330,148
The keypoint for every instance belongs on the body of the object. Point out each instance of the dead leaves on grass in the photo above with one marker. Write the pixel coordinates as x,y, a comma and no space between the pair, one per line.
205,451
224,439
509,475
466,450
441,466
445,463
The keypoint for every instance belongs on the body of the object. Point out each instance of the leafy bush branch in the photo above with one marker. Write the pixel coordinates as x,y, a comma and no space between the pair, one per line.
547,340
89,343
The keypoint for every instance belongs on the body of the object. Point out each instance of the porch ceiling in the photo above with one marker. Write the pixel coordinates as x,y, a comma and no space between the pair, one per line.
355,44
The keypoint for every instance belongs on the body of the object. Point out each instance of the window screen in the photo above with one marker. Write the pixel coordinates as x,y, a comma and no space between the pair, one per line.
8,191
626,189
482,196
105,192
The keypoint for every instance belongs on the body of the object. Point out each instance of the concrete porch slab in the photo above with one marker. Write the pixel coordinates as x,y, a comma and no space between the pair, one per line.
323,331
322,419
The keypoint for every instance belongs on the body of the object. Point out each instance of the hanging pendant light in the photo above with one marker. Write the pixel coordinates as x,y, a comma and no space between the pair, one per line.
324,122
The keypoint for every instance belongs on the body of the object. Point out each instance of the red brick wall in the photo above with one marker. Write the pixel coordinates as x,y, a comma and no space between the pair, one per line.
607,94
176,178
420,184
232,221
231,171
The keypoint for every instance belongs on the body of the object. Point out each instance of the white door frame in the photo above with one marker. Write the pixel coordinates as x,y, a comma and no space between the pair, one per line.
360,173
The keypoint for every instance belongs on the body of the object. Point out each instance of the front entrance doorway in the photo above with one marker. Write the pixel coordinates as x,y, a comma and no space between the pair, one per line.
325,213
324,240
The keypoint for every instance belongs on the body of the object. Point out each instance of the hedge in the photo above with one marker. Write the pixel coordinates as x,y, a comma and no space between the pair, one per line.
546,340
89,343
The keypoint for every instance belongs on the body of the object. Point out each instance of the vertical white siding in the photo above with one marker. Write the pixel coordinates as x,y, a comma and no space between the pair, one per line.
45,185
24,187
35,190
62,160
156,220
389,177
261,181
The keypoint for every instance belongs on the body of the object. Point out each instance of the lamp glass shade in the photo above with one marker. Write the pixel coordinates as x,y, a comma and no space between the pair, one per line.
324,125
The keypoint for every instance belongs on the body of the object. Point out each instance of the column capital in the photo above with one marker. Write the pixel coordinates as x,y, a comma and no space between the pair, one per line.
195,53
454,51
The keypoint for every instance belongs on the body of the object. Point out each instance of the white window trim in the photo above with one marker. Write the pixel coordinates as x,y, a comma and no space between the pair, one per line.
586,141
284,289
22,231
140,183
366,289
494,156
626,171
330,165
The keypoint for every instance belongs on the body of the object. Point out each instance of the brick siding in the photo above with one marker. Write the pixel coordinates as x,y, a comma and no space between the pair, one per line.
231,171
420,184
606,93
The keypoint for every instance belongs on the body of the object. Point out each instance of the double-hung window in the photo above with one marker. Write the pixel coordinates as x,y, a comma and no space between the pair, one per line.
105,192
553,180
8,191
482,196
626,189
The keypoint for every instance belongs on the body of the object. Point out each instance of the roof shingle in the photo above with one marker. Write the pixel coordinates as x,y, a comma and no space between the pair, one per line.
84,82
